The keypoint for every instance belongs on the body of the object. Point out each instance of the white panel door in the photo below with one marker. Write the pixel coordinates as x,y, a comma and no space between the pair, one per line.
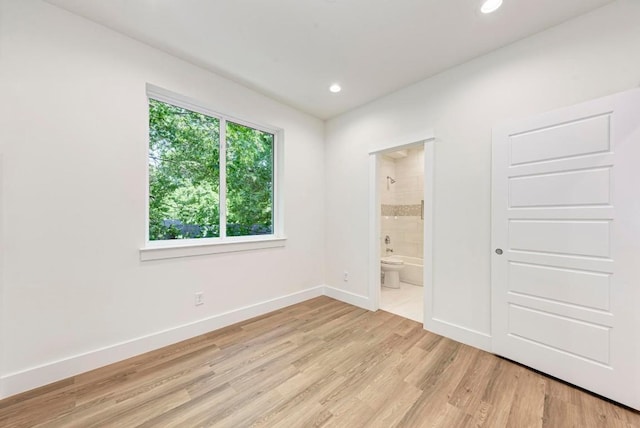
566,245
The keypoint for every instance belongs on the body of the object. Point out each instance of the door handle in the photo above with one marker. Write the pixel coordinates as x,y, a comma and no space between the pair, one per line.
499,251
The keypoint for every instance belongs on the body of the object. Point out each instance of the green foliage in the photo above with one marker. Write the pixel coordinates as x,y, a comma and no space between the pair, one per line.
249,180
184,171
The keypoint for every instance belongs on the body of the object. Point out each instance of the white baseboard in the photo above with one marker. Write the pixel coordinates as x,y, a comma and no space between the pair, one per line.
465,335
348,297
15,383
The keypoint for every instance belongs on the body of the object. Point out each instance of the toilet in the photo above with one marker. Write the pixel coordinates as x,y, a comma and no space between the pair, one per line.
391,267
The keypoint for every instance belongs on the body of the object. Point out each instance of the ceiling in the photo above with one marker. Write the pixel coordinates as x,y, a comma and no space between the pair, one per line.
292,50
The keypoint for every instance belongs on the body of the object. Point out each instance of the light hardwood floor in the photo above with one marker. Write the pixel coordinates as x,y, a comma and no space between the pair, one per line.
317,363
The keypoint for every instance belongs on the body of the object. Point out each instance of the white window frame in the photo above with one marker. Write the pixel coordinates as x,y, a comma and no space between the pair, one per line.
172,248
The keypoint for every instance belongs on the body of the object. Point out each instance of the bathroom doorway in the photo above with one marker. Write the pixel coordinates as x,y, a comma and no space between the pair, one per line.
401,229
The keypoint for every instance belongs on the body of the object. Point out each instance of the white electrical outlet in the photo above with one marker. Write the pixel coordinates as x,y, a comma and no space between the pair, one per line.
199,298
345,276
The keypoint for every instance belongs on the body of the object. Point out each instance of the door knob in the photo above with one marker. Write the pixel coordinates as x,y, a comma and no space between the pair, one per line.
499,251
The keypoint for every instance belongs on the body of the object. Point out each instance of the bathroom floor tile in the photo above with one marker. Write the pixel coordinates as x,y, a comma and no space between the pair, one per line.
406,301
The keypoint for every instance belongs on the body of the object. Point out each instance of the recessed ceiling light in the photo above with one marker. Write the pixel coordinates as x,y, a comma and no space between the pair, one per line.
490,6
335,88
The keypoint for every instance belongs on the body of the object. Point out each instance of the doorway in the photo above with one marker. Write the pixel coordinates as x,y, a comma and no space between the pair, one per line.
400,191
401,229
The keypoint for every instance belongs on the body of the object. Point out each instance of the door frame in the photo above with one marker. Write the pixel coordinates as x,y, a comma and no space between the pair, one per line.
374,223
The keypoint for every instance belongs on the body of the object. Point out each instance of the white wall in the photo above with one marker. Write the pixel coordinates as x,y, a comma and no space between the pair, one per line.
591,56
73,114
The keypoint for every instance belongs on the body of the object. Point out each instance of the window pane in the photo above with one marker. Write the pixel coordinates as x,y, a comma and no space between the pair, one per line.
184,173
249,181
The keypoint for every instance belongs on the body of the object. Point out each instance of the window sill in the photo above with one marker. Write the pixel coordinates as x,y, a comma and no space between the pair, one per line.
175,249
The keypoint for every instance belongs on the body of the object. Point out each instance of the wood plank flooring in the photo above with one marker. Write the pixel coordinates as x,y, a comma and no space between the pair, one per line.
320,363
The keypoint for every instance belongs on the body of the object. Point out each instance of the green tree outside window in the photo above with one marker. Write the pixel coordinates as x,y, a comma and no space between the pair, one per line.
184,176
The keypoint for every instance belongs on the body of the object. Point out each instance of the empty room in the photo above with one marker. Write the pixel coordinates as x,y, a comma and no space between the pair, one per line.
336,213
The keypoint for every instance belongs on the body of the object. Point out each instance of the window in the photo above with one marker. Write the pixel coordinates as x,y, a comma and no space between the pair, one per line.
249,178
184,173
210,176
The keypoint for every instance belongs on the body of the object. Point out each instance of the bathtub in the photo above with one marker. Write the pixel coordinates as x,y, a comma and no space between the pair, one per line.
413,270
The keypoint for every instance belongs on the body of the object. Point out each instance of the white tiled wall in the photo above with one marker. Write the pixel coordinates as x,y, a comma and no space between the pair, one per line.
405,231
387,168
